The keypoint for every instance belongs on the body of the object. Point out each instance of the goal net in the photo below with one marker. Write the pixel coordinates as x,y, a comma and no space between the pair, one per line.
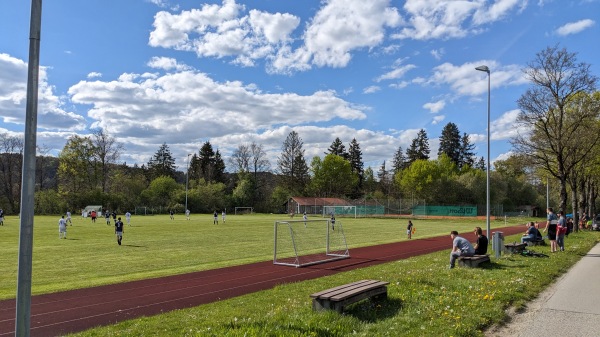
302,243
339,211
244,210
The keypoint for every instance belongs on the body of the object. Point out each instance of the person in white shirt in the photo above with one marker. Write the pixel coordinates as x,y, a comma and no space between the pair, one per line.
62,228
128,218
69,218
187,214
223,215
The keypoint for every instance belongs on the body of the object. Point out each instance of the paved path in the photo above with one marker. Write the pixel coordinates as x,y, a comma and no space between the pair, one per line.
70,311
571,307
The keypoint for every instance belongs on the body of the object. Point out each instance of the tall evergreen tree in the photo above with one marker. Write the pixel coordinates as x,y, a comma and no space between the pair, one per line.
450,143
419,148
399,162
292,164
218,168
357,165
467,154
480,164
337,148
162,163
206,159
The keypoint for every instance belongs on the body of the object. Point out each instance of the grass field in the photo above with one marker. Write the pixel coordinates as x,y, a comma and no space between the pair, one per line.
425,298
157,246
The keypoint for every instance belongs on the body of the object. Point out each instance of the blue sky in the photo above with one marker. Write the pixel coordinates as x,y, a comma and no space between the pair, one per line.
233,71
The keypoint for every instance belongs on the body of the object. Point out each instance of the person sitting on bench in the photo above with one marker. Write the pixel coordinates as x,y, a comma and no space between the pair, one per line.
482,242
460,247
531,233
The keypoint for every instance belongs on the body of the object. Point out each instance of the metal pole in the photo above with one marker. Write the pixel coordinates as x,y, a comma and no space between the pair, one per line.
487,211
488,160
23,300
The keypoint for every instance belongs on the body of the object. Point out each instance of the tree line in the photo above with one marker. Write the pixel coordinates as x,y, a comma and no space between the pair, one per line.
560,110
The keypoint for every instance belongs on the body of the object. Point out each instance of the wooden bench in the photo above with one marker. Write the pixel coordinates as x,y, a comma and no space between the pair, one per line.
339,297
473,261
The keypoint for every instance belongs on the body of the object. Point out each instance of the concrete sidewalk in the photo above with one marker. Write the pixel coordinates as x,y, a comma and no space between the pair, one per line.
570,307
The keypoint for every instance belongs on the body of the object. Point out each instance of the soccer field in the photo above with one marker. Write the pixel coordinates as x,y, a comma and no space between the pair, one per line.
157,246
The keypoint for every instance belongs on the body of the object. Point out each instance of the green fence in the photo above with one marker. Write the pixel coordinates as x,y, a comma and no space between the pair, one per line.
445,210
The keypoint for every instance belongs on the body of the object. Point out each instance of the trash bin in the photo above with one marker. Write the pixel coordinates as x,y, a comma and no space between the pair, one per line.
498,243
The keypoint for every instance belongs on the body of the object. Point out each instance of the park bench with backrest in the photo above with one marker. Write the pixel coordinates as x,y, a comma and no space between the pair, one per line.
339,297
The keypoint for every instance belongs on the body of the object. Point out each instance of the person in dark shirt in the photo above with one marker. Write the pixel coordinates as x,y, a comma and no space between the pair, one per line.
119,230
482,242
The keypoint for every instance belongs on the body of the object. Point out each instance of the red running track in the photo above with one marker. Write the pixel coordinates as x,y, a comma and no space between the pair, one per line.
77,310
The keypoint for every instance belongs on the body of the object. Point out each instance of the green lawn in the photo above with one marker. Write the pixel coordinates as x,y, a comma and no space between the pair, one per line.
157,246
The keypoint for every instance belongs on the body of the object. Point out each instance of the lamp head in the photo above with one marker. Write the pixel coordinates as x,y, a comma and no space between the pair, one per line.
483,68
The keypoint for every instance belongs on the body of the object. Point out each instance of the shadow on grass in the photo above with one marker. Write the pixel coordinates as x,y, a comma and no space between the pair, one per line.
374,310
134,246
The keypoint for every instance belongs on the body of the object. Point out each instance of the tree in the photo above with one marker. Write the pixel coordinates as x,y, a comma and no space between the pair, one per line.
466,156
107,152
429,179
240,159
332,177
399,162
356,164
292,165
162,163
76,170
419,148
337,148
11,158
450,143
161,191
548,110
206,159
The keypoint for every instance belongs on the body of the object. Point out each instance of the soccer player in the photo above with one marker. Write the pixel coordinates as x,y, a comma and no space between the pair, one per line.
62,228
69,218
215,218
107,217
119,230
172,214
1,217
223,215
128,218
332,222
187,214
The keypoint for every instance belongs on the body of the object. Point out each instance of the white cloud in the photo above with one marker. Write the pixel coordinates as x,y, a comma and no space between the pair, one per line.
437,53
398,72
94,74
371,89
438,119
13,97
575,27
167,63
188,107
465,80
435,107
431,19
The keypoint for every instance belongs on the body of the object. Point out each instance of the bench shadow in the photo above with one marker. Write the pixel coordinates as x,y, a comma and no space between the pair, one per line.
371,311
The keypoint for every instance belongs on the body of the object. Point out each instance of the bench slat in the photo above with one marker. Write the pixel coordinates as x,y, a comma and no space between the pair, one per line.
353,292
343,288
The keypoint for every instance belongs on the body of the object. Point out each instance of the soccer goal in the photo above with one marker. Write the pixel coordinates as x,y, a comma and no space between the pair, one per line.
302,243
243,210
339,211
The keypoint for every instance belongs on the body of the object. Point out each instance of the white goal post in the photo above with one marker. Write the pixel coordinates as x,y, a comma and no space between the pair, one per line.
244,210
300,243
339,211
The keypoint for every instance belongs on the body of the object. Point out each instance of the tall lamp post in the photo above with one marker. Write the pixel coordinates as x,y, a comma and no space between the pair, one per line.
487,171
187,175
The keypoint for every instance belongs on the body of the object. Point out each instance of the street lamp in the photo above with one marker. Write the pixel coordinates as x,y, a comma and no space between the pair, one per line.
487,211
187,175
